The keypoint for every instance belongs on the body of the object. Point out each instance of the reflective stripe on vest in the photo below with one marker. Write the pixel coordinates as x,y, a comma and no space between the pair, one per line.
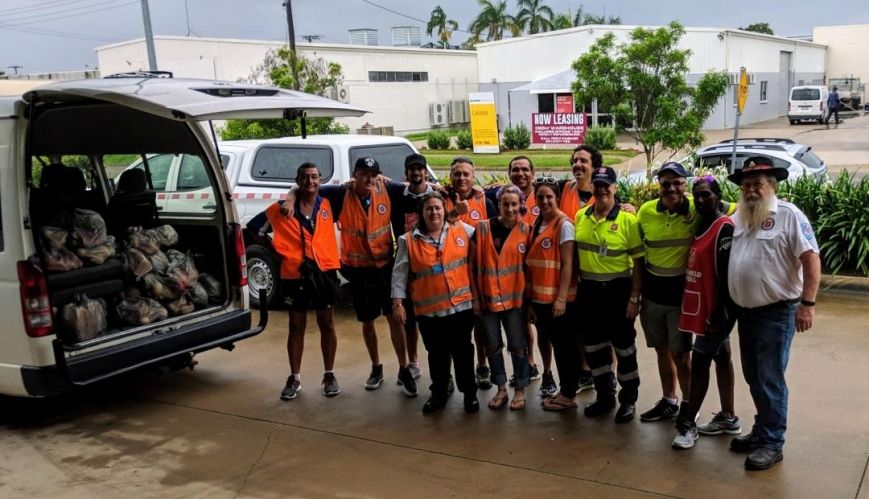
544,265
501,276
433,292
366,237
599,276
600,250
667,237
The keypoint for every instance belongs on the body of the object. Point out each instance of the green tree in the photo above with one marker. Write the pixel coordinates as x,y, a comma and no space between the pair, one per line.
759,28
593,19
534,16
494,20
316,76
643,82
562,20
440,23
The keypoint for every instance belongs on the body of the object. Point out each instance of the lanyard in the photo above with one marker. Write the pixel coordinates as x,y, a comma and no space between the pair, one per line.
437,244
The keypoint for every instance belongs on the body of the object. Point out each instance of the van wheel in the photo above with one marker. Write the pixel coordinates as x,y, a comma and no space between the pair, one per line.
263,272
793,122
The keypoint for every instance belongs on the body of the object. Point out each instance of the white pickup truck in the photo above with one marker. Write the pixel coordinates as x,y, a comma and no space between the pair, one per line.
261,172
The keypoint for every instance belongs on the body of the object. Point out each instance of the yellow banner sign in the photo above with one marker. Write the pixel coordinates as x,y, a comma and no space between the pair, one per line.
742,91
484,122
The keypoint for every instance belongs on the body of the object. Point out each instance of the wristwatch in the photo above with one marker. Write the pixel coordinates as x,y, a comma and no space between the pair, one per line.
807,303
634,299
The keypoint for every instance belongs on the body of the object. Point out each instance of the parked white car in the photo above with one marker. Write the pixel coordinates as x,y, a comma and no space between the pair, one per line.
261,172
53,144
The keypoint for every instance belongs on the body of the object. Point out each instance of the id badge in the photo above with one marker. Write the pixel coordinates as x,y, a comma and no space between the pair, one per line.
437,268
601,250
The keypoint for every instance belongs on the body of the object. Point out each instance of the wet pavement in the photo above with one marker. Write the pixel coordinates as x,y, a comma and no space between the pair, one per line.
221,431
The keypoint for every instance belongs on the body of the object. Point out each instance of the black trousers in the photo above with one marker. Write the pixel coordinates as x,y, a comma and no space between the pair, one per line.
602,307
448,338
563,334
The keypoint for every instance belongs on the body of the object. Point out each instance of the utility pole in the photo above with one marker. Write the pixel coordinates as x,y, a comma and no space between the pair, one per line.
291,41
149,37
15,68
311,38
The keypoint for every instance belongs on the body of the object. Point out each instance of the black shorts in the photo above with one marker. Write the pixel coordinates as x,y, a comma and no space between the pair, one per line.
299,301
370,288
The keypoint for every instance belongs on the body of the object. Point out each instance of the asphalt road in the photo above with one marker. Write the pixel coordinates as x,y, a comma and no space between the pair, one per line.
221,431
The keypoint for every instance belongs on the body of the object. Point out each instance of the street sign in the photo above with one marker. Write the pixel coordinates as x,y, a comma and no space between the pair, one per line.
742,91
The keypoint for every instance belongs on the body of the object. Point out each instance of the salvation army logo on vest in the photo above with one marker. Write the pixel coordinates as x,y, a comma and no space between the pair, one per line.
460,242
535,211
324,213
475,214
546,243
521,248
381,208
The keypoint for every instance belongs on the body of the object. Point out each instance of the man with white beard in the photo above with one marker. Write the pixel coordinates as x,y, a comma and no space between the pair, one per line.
773,280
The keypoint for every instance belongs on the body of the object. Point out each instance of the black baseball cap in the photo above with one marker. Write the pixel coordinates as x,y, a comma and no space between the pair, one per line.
674,168
367,163
605,175
415,160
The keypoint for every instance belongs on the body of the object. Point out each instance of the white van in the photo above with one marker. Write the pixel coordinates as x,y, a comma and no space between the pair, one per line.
261,172
808,102
54,144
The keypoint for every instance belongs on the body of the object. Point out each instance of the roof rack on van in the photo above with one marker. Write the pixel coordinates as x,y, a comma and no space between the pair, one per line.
142,74
768,147
763,139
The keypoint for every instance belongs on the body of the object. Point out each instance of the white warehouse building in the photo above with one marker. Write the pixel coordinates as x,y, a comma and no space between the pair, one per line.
528,74
407,88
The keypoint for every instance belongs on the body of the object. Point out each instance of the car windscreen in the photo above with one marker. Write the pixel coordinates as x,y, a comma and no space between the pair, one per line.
805,94
389,156
723,159
278,163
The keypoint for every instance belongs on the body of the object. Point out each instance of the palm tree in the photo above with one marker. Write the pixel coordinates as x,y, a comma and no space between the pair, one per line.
579,16
562,21
444,26
534,15
593,19
494,20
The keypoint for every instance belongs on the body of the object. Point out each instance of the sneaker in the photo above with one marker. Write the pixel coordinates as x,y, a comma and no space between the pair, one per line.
330,385
484,378
586,382
625,413
721,424
405,380
534,373
686,434
662,410
763,459
291,389
599,407
548,386
375,379
415,373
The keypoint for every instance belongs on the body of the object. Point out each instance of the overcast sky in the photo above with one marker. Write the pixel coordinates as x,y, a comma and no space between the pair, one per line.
57,35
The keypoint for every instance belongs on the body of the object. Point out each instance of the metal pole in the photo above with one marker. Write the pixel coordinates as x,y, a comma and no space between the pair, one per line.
149,37
735,137
291,41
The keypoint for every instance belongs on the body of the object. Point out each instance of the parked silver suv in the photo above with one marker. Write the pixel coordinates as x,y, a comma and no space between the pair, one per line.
797,158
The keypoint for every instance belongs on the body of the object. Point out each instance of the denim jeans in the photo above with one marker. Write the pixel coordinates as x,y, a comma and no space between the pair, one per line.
514,328
765,336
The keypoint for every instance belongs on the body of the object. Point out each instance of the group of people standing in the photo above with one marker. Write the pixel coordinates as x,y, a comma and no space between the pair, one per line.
573,261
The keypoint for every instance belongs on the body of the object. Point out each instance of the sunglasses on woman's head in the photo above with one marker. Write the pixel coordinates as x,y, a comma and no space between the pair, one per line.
543,179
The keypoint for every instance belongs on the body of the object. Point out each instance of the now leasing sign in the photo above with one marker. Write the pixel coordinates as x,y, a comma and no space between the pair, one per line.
558,128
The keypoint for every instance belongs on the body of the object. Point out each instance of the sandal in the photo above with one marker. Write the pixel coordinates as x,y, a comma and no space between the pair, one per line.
518,402
558,404
499,400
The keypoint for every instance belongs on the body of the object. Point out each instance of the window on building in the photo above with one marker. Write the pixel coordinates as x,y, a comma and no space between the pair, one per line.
390,76
763,91
545,103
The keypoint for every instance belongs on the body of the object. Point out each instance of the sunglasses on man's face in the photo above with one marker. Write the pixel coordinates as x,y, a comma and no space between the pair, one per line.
666,184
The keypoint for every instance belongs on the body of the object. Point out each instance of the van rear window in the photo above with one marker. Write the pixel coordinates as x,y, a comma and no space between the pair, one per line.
279,163
805,94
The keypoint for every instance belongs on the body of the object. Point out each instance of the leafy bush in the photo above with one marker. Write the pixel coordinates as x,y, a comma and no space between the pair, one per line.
601,137
463,140
518,137
438,140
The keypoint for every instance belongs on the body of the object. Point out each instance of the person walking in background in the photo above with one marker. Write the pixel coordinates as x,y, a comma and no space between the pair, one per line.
498,252
431,268
706,313
833,104
773,279
306,242
610,271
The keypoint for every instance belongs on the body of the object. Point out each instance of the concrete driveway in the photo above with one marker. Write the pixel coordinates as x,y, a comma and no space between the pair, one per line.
221,431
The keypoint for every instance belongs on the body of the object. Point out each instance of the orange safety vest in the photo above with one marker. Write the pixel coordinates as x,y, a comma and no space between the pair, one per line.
544,264
321,246
532,211
500,276
439,277
476,208
570,201
366,238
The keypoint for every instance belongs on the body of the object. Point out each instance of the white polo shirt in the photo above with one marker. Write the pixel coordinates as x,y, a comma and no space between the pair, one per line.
765,265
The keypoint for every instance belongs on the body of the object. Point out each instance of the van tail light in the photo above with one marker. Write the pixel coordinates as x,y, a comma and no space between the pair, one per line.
34,300
822,105
789,106
237,235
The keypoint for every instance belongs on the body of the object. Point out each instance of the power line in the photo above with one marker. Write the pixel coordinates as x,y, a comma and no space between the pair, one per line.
52,33
39,6
65,14
369,2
